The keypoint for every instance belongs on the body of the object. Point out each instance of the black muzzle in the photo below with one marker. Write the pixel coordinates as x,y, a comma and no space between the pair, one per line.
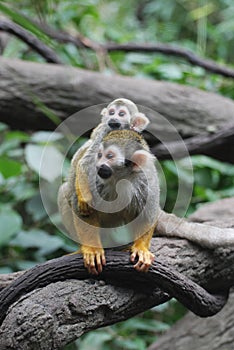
105,171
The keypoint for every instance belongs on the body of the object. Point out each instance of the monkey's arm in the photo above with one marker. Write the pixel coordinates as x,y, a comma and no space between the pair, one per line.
140,249
87,232
85,168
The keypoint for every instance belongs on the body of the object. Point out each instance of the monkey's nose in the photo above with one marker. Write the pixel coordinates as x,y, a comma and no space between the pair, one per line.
114,124
104,171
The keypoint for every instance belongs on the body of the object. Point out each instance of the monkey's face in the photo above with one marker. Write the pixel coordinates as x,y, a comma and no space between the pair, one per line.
112,161
117,117
108,160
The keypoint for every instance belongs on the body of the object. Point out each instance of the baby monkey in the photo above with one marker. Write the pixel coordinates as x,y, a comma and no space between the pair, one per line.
119,114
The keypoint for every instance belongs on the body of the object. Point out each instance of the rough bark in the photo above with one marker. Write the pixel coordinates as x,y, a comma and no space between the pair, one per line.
192,333
217,332
52,316
25,87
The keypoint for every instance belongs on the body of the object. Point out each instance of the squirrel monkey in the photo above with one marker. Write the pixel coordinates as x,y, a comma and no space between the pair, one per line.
119,114
123,178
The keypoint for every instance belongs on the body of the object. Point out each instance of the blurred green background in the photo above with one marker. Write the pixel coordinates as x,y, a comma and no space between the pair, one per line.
206,27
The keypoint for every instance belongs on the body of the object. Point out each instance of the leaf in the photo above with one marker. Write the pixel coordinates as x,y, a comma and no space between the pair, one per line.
22,189
5,269
24,264
98,338
39,239
18,135
143,324
45,136
204,161
25,22
171,71
9,167
3,126
35,207
46,161
10,223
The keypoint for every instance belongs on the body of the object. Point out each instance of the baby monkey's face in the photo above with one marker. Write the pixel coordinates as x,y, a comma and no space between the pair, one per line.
117,117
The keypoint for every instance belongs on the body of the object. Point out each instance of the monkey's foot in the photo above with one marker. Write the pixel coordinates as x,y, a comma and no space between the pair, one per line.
145,258
85,209
94,259
76,252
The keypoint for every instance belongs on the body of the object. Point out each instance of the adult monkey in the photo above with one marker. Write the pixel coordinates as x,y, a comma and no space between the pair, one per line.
119,114
121,155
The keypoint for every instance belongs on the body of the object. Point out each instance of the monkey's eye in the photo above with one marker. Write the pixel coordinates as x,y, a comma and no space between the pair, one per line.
111,111
110,155
99,155
122,113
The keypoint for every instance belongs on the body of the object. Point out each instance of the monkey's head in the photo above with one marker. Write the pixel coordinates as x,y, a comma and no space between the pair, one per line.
122,156
123,114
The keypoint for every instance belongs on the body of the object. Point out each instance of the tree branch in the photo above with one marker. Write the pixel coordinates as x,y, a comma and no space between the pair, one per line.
194,333
194,145
82,42
32,41
62,311
26,87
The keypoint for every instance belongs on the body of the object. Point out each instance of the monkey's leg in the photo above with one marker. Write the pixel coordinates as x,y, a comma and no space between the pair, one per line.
83,193
91,247
140,249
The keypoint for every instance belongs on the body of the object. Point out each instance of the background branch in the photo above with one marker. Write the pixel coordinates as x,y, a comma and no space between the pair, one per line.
81,42
32,41
29,89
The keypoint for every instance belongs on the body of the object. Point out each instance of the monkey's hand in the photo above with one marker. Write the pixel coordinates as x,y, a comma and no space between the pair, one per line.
94,259
145,257
84,208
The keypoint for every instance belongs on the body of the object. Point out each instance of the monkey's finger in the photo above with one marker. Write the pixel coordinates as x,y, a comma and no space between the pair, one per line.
133,257
103,258
148,259
99,263
85,259
92,266
140,261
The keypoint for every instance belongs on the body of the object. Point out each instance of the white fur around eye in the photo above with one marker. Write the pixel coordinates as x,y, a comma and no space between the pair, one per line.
118,156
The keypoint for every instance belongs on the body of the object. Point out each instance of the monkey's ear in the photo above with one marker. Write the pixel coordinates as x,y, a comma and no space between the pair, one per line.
104,111
140,159
139,122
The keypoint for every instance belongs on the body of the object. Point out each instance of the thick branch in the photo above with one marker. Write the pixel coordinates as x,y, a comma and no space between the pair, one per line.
186,291
62,311
26,87
194,145
32,41
193,333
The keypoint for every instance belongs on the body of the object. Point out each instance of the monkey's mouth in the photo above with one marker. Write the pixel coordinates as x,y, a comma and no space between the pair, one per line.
105,171
115,124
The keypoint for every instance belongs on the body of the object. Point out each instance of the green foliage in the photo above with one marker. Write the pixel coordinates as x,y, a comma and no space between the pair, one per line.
205,27
213,180
25,233
136,333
